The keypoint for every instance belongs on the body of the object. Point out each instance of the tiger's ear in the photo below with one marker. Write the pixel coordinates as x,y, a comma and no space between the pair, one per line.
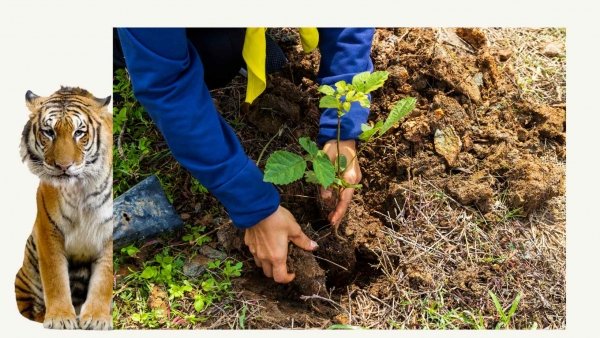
33,101
102,102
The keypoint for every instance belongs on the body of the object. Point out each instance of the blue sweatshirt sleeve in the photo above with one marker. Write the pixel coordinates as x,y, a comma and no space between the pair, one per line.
345,52
168,80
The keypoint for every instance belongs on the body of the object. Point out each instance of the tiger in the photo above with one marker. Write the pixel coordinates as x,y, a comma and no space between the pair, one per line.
66,278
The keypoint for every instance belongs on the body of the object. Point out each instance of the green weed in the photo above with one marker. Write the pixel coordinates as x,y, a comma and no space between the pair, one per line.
507,313
195,235
163,274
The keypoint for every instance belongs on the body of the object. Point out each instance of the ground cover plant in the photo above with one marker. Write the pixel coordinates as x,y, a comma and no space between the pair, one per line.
459,223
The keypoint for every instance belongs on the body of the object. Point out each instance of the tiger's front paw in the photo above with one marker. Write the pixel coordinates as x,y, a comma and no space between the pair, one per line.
62,320
94,319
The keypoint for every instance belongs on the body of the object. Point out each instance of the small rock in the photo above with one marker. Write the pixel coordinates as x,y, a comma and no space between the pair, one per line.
212,253
551,50
185,216
415,129
447,144
452,108
397,74
478,79
504,54
196,266
419,82
467,141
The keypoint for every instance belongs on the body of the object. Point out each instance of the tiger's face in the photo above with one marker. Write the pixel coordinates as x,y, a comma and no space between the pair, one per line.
65,138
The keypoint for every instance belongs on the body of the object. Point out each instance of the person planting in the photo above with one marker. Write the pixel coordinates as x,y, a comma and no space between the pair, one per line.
171,70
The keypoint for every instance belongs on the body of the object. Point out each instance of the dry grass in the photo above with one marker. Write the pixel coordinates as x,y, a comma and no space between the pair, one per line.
439,259
541,78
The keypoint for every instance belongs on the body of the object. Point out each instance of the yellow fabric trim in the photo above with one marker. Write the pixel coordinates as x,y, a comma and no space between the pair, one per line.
255,55
309,36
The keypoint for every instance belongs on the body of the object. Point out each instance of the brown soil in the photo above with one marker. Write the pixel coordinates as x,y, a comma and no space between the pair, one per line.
459,220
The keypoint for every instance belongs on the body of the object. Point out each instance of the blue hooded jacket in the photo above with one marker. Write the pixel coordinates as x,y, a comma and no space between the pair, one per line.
167,78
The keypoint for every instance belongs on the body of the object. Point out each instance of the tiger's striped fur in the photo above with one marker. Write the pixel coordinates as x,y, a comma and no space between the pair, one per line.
66,278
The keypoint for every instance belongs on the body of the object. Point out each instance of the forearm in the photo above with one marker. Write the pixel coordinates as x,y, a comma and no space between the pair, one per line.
167,77
345,52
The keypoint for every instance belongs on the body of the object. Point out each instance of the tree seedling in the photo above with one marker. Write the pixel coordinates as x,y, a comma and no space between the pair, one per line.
284,167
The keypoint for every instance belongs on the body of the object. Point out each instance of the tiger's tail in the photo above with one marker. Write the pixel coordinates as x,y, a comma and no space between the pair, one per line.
79,278
28,285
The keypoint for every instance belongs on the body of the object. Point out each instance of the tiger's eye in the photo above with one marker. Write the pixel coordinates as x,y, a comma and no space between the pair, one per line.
48,132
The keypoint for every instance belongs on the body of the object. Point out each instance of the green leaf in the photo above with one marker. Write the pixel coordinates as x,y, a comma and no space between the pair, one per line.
284,167
177,291
311,177
359,80
343,162
242,320
327,90
367,82
346,106
363,100
130,250
149,272
324,170
497,305
400,110
342,87
368,130
208,285
351,96
119,120
233,270
353,186
514,305
199,303
214,264
202,239
342,183
309,145
329,102
375,81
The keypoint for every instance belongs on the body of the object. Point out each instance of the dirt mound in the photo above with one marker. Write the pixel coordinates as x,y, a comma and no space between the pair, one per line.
533,182
474,190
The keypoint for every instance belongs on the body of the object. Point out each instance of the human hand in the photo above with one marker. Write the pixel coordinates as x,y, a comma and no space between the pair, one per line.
352,175
268,243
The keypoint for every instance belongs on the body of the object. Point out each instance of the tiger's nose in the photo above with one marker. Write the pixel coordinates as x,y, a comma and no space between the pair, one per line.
63,166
